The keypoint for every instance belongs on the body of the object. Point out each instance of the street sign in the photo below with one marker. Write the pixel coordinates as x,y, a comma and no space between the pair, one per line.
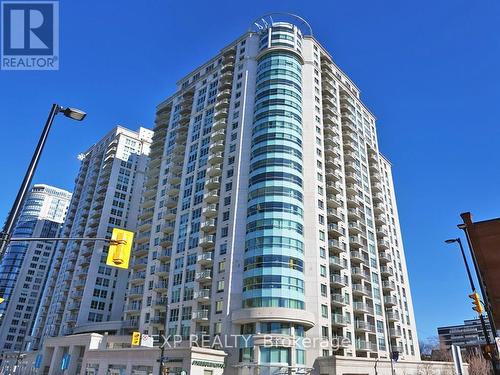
147,341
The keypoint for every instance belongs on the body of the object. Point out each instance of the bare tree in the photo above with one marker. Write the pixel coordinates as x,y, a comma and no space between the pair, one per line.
428,345
478,365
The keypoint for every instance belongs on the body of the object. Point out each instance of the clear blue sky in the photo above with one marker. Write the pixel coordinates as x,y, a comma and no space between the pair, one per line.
429,70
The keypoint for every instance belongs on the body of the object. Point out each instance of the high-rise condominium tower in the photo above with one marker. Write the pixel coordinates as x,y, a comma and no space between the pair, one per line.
25,266
82,293
269,210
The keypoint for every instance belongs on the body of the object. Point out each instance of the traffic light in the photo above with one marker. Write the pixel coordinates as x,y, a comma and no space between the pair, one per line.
119,248
476,301
136,338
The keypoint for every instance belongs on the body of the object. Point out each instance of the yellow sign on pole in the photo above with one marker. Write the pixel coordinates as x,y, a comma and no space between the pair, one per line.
2,299
136,338
120,248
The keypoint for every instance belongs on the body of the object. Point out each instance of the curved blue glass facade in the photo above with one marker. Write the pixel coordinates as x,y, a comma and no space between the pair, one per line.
274,249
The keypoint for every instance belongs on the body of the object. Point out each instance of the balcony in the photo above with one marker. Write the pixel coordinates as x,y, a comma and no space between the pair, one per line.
340,320
207,241
164,254
354,214
332,150
378,198
223,103
334,201
390,301
213,183
338,281
158,320
214,170
217,146
359,256
360,273
383,244
334,187
395,333
216,158
211,210
205,259
202,295
366,346
201,315
392,316
385,257
140,263
388,286
382,231
218,135
361,290
219,125
337,262
224,94
220,114
339,300
168,227
204,276
356,241
386,271
209,225
362,326
136,292
362,307
167,241
162,270
355,227
335,214
161,285
336,229
133,307
377,187
160,303
137,277
211,197
337,246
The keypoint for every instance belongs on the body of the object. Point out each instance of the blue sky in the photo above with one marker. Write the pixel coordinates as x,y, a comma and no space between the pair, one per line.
429,71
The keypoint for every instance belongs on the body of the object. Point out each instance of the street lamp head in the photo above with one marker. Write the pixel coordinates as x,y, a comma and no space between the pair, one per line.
73,113
451,240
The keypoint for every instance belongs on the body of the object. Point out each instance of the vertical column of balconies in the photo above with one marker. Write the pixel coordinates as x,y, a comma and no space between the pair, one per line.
52,289
386,258
336,204
78,254
211,198
174,165
136,292
364,322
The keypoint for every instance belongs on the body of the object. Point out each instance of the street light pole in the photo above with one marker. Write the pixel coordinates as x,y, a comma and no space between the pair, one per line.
473,287
6,233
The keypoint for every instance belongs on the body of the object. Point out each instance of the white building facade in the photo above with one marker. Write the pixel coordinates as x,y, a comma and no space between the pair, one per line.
82,293
268,232
270,212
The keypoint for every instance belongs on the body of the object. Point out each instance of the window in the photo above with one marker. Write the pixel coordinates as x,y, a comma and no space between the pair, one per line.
322,270
324,311
220,286
323,290
218,306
